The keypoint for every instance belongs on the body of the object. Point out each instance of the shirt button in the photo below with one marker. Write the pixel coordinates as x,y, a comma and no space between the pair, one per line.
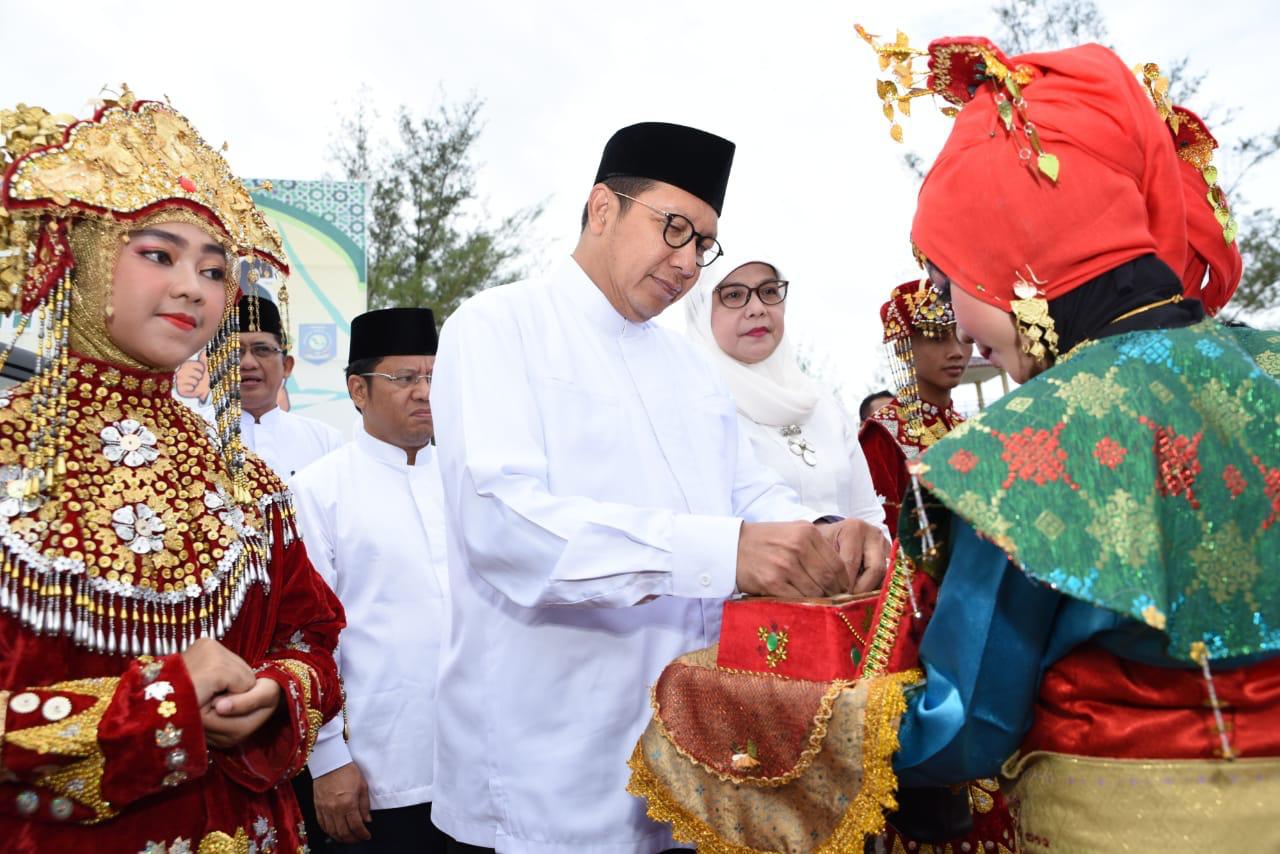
24,703
704,580
56,708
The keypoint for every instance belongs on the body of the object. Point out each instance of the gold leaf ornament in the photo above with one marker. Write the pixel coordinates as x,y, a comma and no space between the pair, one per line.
1048,164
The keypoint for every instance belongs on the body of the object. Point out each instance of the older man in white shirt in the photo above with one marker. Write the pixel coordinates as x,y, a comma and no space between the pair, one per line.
372,516
596,488
288,442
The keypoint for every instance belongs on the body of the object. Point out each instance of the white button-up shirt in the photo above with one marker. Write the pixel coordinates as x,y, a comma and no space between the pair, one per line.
839,483
595,481
288,442
374,528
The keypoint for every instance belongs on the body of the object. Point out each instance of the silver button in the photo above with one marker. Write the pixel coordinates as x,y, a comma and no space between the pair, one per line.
56,708
704,580
24,703
60,808
28,801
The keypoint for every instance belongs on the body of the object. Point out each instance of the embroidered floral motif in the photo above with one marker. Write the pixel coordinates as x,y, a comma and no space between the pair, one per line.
1225,565
1090,393
1177,461
774,646
1035,455
1269,361
1271,486
1234,480
963,461
128,442
140,528
1209,348
1109,452
1125,528
219,503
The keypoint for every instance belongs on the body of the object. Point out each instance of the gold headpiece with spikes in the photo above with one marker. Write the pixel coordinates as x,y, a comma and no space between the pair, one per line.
132,162
957,68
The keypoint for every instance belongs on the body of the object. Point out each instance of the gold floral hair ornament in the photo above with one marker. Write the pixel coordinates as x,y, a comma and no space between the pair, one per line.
1193,142
958,69
1031,315
132,162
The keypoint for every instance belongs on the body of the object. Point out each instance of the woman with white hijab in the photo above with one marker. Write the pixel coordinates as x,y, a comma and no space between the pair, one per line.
798,430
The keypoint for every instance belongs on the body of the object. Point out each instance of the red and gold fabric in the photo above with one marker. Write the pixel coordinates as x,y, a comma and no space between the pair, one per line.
888,444
101,745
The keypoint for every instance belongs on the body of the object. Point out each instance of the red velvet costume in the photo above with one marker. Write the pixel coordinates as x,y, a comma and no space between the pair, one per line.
129,528
887,445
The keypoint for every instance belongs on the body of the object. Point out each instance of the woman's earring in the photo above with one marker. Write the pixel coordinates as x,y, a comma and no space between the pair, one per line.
1032,318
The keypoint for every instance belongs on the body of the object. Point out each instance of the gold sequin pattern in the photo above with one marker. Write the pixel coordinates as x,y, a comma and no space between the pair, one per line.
67,566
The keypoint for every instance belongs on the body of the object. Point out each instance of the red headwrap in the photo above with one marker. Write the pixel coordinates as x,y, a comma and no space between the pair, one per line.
986,214
1208,248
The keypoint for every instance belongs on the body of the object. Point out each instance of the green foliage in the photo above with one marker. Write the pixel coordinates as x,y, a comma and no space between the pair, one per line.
429,243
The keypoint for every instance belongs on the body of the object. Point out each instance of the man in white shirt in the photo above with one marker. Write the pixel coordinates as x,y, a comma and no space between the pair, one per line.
596,488
285,440
372,517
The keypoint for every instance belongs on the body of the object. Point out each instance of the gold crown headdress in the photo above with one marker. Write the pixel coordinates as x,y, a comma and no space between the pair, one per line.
913,306
134,160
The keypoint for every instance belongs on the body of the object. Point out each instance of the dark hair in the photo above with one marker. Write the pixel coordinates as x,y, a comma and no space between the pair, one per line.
362,366
864,409
632,185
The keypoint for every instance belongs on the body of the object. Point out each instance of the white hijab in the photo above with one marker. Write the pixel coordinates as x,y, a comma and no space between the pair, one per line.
773,391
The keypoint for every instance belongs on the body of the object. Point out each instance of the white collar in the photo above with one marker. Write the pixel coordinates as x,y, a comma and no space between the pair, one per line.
587,297
385,452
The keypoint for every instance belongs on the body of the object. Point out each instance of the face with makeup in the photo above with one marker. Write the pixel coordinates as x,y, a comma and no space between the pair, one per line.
991,330
168,293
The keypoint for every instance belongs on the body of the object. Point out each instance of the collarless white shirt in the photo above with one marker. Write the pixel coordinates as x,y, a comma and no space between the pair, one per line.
286,441
840,482
595,481
374,528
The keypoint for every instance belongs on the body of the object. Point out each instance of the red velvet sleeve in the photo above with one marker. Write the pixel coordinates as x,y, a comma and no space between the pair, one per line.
79,750
888,469
300,659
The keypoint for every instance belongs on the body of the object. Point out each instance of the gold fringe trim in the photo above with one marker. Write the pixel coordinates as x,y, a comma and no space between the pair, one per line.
886,703
816,738
662,807
864,817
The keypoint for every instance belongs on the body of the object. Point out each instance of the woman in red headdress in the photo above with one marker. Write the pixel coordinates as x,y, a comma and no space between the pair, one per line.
1107,628
165,645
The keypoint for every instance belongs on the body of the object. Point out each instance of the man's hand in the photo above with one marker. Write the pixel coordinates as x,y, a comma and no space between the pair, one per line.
342,803
862,548
788,559
234,717
192,379
215,670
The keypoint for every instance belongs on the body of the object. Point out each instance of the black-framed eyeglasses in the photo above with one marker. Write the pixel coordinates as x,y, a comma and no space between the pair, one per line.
402,380
678,232
259,351
771,292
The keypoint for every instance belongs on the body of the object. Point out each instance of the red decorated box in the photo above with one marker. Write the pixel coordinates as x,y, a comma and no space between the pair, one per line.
814,639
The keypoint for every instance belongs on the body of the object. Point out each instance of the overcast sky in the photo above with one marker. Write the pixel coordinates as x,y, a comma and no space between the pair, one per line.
816,181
